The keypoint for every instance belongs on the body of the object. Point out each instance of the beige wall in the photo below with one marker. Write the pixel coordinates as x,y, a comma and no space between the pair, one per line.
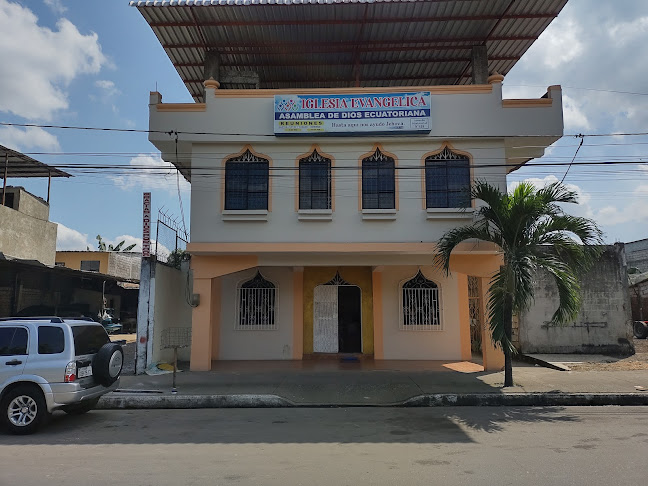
27,237
171,310
432,345
72,259
252,345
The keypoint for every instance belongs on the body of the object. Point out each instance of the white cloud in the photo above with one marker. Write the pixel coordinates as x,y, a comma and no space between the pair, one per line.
38,70
162,251
68,239
22,139
561,43
150,173
583,208
56,6
108,87
574,117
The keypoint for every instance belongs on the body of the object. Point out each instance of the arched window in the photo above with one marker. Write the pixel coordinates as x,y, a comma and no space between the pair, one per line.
315,182
420,309
257,302
378,181
246,182
447,180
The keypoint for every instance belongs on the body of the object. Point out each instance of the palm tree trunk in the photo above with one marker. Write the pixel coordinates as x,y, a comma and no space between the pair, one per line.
508,331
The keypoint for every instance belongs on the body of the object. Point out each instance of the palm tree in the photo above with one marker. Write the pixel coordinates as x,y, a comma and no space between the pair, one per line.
532,232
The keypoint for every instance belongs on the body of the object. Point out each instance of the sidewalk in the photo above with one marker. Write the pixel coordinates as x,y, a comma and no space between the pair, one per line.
398,383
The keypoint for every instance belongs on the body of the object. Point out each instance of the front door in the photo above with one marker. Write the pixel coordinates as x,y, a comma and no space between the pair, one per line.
337,323
349,320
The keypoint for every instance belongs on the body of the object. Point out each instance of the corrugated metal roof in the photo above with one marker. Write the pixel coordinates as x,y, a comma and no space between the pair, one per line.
341,43
21,165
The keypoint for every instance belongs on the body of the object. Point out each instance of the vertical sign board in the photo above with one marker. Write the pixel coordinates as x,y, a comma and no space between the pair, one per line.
352,114
146,233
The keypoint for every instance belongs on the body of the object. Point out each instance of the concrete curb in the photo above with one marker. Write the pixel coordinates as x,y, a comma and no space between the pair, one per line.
527,399
133,401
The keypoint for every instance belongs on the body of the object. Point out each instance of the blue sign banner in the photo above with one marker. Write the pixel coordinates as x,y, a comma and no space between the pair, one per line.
352,114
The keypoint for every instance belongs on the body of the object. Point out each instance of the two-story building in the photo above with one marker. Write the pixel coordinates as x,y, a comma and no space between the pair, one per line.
330,146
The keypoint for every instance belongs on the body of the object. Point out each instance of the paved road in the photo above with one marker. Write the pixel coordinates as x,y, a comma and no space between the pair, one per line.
446,446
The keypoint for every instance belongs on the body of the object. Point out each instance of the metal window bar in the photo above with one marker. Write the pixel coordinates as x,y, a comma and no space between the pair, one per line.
315,182
257,302
378,181
420,305
447,180
246,182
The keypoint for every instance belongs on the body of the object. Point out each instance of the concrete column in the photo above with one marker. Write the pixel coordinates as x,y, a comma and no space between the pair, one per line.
464,316
212,66
298,313
479,60
145,310
377,290
493,356
205,324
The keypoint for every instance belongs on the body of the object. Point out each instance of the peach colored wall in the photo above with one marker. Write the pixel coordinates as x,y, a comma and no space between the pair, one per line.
252,345
433,345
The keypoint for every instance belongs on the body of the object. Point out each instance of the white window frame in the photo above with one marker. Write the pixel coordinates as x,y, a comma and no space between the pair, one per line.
265,323
421,293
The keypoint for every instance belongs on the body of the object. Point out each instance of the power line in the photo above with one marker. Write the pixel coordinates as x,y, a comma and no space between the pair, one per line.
172,132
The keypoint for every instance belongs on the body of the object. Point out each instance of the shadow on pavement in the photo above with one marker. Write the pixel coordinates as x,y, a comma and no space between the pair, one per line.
281,426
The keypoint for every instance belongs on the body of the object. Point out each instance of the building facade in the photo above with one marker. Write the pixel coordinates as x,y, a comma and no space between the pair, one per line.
317,244
25,230
124,265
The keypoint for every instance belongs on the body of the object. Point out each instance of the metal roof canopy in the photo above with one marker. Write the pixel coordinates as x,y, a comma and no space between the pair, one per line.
342,43
16,164
21,165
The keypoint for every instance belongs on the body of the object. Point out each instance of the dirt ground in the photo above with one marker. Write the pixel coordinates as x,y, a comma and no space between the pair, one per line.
638,361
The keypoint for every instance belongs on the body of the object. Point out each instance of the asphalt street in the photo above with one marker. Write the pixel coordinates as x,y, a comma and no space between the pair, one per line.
336,446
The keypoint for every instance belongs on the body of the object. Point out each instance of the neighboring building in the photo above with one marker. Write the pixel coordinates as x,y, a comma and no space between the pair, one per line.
118,264
637,255
317,200
639,296
604,324
25,229
29,288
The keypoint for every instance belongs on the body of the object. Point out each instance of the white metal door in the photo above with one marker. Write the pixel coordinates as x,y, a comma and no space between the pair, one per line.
325,319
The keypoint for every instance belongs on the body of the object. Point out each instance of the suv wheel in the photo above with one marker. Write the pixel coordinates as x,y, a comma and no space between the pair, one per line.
108,363
640,329
23,409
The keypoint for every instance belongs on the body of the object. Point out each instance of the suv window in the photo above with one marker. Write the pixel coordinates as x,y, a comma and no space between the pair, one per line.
13,341
50,340
88,339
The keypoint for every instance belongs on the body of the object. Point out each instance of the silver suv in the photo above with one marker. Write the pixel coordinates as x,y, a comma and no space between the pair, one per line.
50,363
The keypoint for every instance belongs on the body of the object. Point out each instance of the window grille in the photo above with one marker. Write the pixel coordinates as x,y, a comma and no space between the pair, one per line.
474,309
246,182
315,182
257,303
378,181
447,180
420,305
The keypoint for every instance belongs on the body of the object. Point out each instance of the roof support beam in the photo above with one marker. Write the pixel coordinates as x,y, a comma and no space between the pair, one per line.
284,63
348,21
211,68
230,76
395,44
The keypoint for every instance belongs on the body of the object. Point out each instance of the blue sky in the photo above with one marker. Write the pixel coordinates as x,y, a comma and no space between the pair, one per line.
93,64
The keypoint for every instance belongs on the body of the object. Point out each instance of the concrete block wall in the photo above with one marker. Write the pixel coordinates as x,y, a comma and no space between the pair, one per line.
603,324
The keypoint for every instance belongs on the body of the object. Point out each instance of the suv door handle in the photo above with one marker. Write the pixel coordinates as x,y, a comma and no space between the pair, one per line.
13,362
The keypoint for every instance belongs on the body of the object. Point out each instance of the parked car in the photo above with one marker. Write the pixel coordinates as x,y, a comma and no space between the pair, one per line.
51,363
640,329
